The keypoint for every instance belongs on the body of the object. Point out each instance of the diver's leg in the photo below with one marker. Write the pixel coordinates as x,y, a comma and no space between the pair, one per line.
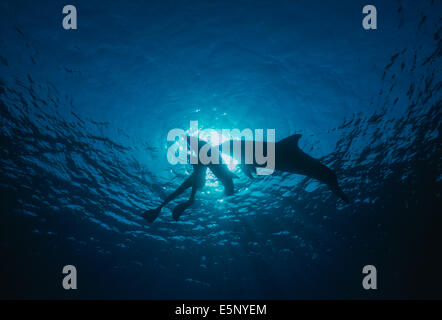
186,184
197,183
151,215
179,209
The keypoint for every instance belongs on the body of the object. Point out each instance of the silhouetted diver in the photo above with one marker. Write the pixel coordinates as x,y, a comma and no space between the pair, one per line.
196,181
288,158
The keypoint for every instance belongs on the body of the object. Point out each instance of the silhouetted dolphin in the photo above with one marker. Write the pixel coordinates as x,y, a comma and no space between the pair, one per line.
288,158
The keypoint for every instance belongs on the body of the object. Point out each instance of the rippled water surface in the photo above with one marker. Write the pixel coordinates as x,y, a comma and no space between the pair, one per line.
84,121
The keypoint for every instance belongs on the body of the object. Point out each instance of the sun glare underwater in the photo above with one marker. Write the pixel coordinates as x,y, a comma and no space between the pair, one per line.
84,121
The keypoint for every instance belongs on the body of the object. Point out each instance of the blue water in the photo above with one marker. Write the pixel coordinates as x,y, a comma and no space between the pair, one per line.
84,120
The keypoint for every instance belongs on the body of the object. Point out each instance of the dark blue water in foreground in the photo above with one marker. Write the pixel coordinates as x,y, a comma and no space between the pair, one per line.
84,121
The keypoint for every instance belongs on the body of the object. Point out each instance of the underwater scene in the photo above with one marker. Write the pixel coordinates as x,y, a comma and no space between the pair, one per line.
85,115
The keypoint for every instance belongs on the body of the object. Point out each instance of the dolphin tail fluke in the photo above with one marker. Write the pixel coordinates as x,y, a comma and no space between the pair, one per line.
151,215
338,192
179,209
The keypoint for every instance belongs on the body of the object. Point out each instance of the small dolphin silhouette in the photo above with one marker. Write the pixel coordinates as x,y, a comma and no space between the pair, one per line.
288,158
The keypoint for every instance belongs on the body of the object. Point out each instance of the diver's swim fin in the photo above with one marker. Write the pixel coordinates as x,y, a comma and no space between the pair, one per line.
179,209
151,215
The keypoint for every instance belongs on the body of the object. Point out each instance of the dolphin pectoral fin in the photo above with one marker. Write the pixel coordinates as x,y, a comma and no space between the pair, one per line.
225,176
179,209
234,176
247,172
151,215
248,169
227,182
228,187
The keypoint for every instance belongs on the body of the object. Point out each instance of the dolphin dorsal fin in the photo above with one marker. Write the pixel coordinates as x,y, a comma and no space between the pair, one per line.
291,140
